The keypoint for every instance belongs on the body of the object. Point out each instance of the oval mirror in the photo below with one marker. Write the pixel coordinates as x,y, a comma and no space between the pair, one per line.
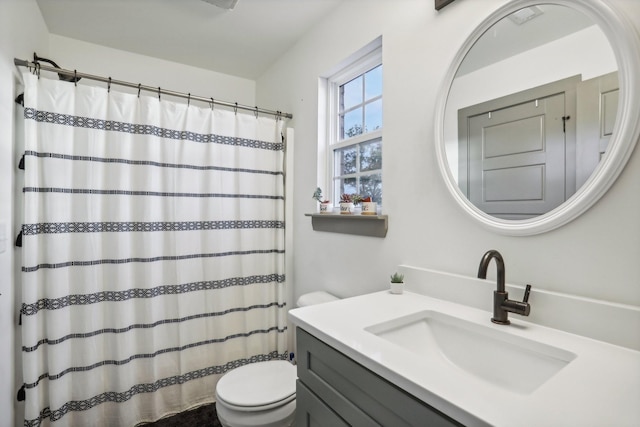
537,118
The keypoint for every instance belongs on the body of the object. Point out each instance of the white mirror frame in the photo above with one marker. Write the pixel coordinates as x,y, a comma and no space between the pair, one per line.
625,43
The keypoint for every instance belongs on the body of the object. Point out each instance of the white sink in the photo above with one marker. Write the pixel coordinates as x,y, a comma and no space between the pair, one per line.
512,362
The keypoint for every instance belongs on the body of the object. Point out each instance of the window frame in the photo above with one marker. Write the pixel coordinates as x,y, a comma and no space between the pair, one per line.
351,71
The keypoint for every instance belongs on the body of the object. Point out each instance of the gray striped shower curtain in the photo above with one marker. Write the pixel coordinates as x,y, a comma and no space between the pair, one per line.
153,252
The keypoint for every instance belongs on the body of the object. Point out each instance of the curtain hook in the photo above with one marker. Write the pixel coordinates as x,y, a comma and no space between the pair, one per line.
235,109
278,116
109,86
256,112
139,86
159,93
75,78
189,99
212,104
38,70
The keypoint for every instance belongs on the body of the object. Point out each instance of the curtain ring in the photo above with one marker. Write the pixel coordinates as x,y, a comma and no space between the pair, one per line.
109,86
75,78
139,86
278,116
212,104
159,93
235,109
189,99
256,112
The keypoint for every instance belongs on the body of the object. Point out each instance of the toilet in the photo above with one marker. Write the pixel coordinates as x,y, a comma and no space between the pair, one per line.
262,394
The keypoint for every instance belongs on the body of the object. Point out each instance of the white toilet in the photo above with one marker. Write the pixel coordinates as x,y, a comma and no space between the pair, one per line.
262,394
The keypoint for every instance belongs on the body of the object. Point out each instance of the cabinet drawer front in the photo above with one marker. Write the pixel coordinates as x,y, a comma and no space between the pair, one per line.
329,373
312,412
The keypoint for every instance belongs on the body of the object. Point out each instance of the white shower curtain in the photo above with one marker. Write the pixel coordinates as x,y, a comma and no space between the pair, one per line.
153,252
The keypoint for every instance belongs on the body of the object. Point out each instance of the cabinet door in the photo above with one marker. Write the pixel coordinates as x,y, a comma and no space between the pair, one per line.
358,395
312,412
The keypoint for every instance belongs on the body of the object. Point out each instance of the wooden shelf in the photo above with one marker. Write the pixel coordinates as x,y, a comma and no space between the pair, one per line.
360,225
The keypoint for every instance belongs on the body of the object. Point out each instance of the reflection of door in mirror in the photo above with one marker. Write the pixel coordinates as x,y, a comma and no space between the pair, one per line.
517,154
516,162
597,107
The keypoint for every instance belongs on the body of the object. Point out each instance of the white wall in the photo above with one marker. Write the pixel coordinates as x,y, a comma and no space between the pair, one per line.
107,62
22,31
595,256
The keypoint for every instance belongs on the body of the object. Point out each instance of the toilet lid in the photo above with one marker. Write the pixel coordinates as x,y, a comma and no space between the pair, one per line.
258,384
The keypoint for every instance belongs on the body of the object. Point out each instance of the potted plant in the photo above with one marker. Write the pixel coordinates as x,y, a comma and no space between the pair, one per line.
324,204
369,207
346,204
397,283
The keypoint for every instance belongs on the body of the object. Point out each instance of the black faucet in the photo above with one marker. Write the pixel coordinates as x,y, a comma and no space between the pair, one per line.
502,305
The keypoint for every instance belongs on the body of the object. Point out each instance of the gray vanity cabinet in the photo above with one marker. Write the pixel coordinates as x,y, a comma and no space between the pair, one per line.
333,390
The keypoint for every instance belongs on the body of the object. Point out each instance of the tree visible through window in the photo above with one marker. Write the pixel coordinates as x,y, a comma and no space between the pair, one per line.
357,150
361,104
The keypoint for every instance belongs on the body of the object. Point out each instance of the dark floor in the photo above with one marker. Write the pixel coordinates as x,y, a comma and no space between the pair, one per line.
204,416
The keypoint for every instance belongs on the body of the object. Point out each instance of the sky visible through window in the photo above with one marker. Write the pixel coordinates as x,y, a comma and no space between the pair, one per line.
361,104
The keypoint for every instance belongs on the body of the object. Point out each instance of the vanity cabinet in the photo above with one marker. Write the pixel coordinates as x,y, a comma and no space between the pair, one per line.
334,390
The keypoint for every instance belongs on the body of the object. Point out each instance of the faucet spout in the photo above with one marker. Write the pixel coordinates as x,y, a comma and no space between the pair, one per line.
484,265
502,305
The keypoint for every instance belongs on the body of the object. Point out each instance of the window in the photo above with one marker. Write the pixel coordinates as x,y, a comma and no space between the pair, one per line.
355,128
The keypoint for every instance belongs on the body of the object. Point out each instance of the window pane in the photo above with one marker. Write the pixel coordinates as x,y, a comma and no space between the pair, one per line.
346,186
345,161
357,164
351,93
371,156
373,83
373,116
371,185
351,124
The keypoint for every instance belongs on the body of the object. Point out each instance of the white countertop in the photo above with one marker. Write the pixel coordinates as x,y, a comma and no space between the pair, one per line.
600,387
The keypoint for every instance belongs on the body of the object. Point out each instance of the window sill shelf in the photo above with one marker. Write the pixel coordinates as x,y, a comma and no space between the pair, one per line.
360,225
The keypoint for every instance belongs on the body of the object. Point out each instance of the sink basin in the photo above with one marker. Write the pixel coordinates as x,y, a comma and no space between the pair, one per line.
509,361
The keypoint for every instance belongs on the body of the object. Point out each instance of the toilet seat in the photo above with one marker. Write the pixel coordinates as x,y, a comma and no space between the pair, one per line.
258,386
262,394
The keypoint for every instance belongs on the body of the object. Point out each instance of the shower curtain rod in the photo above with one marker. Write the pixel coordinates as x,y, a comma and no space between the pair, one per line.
76,75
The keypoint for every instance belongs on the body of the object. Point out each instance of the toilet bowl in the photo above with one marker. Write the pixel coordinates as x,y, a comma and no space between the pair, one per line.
258,394
264,393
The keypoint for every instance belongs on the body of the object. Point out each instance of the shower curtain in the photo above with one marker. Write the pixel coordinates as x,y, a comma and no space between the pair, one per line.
153,252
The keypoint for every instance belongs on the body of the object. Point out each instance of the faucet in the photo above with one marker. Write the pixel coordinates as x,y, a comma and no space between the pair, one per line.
502,305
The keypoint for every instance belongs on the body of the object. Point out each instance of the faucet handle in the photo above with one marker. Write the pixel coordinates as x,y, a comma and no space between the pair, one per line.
527,291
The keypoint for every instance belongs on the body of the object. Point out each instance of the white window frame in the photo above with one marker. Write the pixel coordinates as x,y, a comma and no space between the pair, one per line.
354,69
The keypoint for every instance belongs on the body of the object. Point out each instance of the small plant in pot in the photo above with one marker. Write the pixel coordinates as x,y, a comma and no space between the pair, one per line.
347,205
369,207
397,283
324,204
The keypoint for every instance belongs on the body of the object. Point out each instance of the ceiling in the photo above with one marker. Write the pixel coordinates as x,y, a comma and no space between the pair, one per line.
506,38
242,42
